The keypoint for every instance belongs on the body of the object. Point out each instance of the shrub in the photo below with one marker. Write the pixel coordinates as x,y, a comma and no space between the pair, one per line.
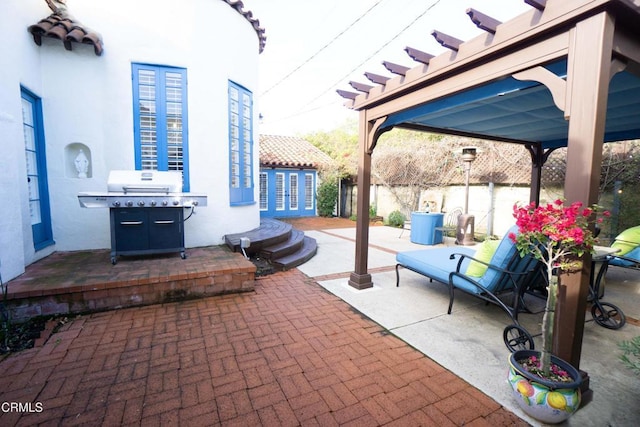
327,197
397,219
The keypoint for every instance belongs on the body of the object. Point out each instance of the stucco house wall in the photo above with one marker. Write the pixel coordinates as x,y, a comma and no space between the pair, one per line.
87,99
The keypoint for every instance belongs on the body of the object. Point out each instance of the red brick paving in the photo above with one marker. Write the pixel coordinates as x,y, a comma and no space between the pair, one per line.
287,354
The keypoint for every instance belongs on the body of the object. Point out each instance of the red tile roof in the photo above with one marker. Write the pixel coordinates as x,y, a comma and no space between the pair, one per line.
62,26
288,151
248,15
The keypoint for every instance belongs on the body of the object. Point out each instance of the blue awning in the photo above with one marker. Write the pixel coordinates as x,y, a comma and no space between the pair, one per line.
522,111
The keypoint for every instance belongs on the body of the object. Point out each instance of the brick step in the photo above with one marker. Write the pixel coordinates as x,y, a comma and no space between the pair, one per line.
291,245
302,255
65,283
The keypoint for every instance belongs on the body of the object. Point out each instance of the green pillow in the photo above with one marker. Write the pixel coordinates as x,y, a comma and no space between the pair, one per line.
484,253
628,240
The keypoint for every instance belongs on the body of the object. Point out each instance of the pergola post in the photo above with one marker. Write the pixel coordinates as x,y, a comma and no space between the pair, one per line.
537,161
369,132
588,83
360,278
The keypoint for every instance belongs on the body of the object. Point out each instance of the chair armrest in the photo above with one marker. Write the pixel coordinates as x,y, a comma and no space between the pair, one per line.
635,263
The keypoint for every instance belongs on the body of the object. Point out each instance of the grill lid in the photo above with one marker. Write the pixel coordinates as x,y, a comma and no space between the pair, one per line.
144,181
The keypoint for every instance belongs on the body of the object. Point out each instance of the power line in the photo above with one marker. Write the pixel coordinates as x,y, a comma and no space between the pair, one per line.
372,55
322,48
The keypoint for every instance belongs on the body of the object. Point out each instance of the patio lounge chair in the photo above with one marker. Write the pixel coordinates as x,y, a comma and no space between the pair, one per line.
628,245
487,273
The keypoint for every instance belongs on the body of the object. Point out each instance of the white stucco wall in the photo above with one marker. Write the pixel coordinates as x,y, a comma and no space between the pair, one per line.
87,99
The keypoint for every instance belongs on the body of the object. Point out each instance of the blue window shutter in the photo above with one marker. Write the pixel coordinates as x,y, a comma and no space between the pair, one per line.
241,184
160,119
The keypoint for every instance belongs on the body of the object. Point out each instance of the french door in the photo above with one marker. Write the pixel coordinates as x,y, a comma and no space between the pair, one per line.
34,147
285,193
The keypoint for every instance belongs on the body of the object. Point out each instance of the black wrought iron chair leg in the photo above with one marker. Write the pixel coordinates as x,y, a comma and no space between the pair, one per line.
450,299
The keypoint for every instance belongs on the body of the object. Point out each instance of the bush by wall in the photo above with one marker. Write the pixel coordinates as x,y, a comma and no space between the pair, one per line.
327,197
396,219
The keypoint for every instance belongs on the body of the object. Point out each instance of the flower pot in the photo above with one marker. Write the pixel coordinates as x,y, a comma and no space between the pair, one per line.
549,401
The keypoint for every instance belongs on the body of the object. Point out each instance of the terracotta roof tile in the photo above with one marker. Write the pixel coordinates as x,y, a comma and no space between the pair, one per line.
287,151
248,15
62,26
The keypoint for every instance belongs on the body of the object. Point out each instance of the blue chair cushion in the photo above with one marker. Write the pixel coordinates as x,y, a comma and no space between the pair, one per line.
434,263
634,254
505,251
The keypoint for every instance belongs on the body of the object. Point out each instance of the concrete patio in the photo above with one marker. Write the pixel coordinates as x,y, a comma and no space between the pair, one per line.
469,341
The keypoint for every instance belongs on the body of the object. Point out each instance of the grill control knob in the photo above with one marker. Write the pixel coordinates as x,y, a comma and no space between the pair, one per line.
141,203
165,203
129,203
153,203
194,203
176,202
116,203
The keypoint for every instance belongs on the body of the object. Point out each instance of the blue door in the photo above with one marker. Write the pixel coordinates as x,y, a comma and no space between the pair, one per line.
34,146
287,193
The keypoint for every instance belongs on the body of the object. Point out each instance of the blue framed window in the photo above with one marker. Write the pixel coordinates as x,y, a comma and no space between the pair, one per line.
240,145
160,119
309,191
34,146
264,191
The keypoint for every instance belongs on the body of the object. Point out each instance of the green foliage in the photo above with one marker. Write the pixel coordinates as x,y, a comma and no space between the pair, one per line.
373,211
631,354
629,207
397,219
340,144
553,233
327,196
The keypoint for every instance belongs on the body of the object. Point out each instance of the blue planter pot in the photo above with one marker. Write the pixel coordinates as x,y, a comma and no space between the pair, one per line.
549,401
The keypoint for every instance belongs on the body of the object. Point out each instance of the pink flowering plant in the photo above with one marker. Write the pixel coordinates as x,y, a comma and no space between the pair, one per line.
559,236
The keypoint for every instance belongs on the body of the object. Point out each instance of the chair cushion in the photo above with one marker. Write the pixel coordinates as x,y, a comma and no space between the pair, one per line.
434,263
627,240
485,252
633,254
502,255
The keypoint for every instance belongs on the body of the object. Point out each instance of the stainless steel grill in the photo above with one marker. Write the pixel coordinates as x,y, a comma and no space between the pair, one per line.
146,211
126,188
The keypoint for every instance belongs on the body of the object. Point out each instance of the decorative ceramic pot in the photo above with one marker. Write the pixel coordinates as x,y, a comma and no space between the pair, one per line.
548,401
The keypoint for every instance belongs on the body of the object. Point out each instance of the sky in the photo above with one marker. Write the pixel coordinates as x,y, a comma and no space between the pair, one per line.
315,47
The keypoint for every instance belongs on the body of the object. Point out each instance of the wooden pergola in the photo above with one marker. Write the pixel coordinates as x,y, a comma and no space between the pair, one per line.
564,74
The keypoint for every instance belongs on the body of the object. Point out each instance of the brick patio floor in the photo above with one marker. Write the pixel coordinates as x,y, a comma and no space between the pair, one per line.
287,354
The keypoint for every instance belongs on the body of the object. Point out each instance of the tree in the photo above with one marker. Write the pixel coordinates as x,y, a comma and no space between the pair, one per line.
340,144
409,162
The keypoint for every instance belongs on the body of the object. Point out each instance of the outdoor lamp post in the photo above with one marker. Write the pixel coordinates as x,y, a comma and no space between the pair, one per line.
465,231
468,156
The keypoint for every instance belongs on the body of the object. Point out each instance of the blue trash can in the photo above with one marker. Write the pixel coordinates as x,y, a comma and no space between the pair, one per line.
423,228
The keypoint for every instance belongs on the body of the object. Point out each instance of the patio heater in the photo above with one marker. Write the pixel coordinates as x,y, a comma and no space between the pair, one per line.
465,230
